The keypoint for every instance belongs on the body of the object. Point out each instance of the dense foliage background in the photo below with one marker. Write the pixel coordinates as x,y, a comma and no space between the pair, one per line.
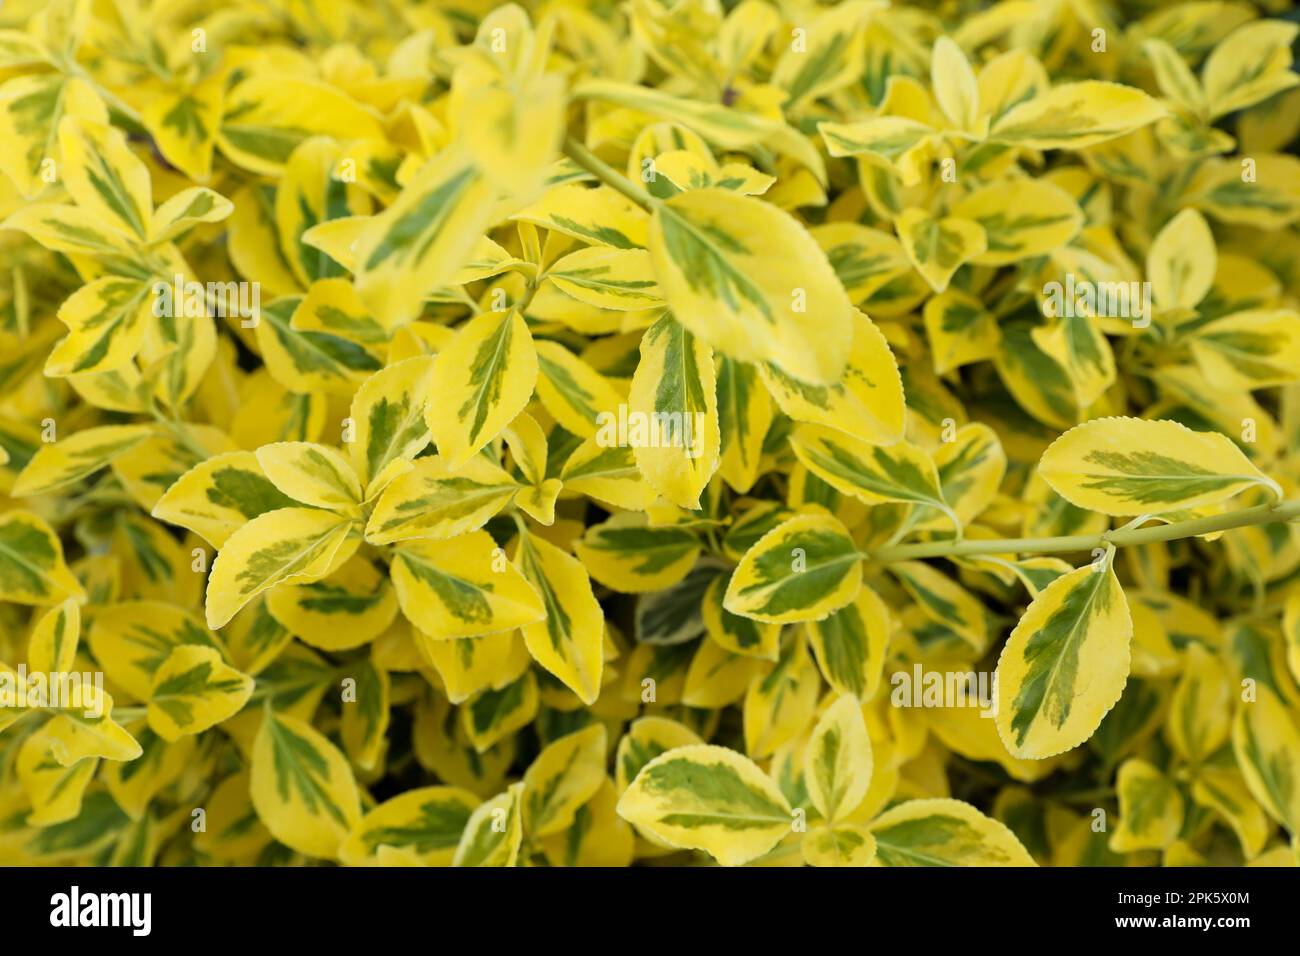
580,433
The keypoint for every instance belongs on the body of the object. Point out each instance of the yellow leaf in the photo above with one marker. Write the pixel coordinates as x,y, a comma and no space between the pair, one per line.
748,279
302,787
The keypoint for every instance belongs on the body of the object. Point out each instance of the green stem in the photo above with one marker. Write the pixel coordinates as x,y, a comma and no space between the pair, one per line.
1124,537
607,174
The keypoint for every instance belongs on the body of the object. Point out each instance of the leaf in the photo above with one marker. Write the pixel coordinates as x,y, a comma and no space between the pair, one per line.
1267,747
1020,218
960,330
1291,632
19,49
1174,77
939,247
302,787
736,634
838,761
436,502
575,394
255,639
703,797
674,395
31,110
954,85
313,474
944,601
607,474
105,177
568,643
88,731
291,544
802,570
136,783
267,114
1252,64
716,122
331,306
944,832
781,703
1181,261
1270,200
1128,466
528,449
831,58
310,192
70,229
867,402
427,821
971,468
850,645
717,678
744,416
1035,379
1065,664
1078,345
59,464
133,639
494,832
498,712
600,216
843,845
1225,792
1075,115
598,836
1150,809
53,791
462,587
515,132
388,412
31,562
419,242
483,379
629,555
1200,712
306,361
873,474
645,739
185,210
106,320
219,495
565,775
1249,350
749,281
674,615
193,690
364,726
53,645
882,139
352,606
608,278
184,123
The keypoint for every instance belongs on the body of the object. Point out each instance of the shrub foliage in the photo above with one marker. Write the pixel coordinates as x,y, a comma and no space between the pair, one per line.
586,432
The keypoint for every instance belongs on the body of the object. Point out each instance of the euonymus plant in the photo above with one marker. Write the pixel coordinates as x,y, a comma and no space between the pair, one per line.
586,432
